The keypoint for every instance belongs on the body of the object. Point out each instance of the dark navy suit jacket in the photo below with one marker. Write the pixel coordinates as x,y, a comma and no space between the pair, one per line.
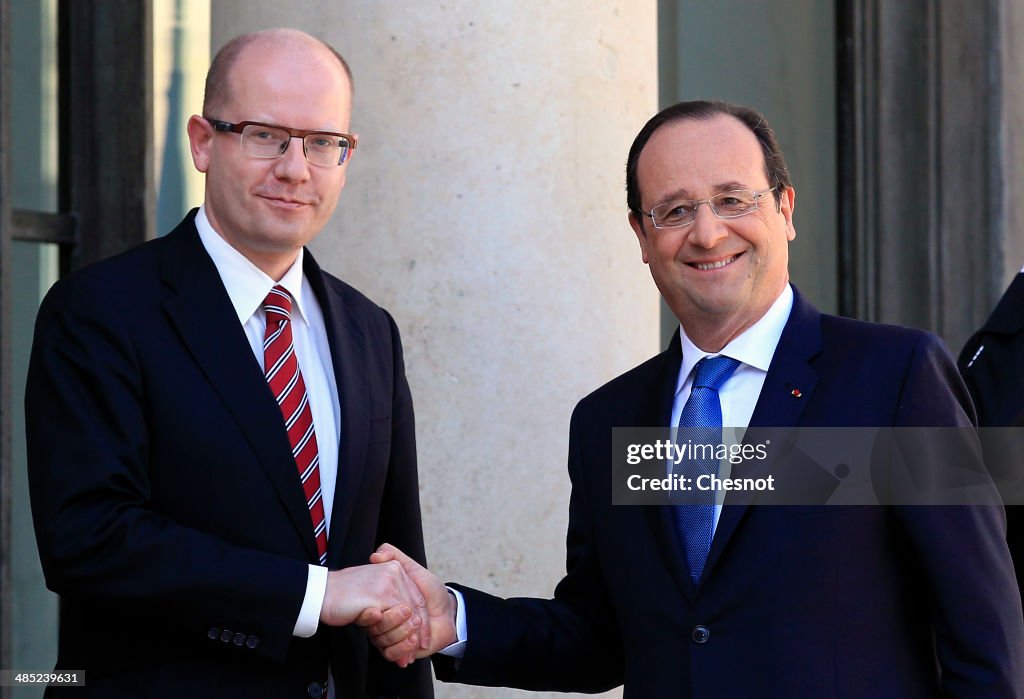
814,602
169,515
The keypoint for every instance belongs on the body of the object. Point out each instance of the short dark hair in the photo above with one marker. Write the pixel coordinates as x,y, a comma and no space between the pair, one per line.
700,110
217,91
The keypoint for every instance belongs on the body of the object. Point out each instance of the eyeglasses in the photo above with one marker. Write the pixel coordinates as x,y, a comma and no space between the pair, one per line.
683,212
270,141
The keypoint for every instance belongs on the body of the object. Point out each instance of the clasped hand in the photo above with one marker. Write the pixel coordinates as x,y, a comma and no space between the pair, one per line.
402,634
406,610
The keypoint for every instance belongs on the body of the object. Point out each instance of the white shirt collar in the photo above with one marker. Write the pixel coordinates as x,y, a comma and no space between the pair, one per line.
247,285
754,347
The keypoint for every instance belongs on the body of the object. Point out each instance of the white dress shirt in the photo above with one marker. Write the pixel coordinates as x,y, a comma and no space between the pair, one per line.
247,286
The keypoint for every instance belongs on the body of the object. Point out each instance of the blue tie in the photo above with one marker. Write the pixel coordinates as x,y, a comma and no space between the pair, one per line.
700,423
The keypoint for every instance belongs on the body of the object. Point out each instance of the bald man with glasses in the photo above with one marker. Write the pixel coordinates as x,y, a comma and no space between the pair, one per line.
220,433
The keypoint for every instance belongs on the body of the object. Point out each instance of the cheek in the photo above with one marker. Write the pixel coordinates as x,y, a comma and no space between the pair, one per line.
666,248
330,191
775,255
226,177
232,193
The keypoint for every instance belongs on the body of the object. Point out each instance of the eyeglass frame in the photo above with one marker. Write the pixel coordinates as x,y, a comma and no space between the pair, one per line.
238,127
697,202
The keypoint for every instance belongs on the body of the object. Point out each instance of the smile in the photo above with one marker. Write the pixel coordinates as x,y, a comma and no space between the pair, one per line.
285,201
714,265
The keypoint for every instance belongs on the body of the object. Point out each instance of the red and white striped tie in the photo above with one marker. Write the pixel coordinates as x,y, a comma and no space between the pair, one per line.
282,371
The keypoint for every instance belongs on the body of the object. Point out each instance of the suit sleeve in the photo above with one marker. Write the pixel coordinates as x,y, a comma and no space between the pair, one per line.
569,643
400,524
979,627
100,539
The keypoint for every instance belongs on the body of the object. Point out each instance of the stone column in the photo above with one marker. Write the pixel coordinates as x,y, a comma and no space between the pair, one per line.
485,208
930,130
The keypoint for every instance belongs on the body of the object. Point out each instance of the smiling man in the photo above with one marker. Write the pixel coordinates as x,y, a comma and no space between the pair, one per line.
718,275
741,599
220,433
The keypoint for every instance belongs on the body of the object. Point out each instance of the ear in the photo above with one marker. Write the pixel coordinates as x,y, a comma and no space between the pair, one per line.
351,151
200,139
787,204
641,234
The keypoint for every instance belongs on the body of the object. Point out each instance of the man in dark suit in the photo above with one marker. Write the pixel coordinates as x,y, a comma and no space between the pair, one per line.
220,433
802,601
992,364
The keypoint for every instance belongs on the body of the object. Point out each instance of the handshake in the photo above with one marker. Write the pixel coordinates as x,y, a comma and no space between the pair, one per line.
406,610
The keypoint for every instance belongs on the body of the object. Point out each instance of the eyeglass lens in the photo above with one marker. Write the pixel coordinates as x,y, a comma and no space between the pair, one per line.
268,142
725,205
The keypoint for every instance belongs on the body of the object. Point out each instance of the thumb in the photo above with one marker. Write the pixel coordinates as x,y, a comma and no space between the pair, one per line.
369,617
388,552
382,555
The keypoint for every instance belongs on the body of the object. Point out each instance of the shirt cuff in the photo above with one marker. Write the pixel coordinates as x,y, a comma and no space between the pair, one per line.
458,649
312,603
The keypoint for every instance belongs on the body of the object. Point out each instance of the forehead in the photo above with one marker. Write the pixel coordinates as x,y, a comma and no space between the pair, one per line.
297,85
696,158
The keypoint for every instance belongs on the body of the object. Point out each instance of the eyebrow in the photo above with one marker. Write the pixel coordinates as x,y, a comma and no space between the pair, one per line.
264,122
682,194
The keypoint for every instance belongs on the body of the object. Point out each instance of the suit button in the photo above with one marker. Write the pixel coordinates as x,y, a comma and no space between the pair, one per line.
251,642
213,634
239,639
700,634
315,690
225,635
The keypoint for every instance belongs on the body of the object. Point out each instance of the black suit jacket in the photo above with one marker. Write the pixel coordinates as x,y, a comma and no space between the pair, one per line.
168,512
814,602
992,364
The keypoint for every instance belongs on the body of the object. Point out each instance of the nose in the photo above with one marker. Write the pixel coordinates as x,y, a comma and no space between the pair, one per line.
707,229
292,165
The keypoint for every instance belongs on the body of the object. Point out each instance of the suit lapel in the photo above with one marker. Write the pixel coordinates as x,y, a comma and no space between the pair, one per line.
348,345
1008,316
208,325
655,409
788,388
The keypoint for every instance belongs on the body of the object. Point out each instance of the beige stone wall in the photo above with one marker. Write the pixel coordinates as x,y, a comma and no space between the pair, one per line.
485,209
